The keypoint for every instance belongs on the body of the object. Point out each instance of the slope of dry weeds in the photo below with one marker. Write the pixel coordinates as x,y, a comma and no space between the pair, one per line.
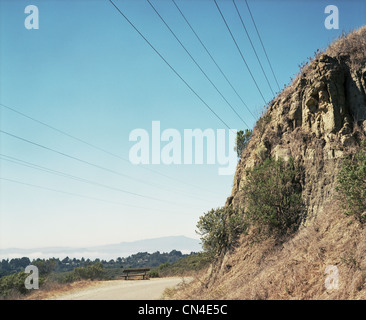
294,269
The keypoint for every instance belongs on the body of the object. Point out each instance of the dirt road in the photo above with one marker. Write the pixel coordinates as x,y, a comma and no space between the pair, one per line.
124,290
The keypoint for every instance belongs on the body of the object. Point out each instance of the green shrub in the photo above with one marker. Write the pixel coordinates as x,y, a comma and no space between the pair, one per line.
89,272
13,283
351,185
220,229
164,266
273,197
153,273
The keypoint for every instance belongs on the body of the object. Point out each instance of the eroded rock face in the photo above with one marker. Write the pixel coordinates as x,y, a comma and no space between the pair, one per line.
317,120
323,98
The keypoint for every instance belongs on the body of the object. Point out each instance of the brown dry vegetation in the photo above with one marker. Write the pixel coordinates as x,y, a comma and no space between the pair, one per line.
352,45
317,121
52,289
294,269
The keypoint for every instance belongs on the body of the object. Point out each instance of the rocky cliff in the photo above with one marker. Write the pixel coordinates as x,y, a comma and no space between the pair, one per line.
317,120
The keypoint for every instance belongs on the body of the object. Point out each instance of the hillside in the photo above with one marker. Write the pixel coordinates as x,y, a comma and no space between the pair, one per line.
316,122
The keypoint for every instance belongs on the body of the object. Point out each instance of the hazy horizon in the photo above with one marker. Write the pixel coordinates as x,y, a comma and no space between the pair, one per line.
106,251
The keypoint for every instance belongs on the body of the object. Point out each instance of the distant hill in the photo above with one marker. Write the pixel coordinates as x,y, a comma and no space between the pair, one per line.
109,251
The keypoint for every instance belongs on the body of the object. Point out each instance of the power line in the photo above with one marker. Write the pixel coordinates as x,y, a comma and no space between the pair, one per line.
197,64
167,63
251,43
241,54
71,193
85,162
63,174
212,58
95,146
260,38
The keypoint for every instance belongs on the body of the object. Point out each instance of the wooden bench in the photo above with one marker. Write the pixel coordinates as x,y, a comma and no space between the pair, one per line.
137,272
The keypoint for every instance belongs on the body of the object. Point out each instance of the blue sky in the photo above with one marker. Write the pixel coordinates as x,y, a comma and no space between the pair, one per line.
87,72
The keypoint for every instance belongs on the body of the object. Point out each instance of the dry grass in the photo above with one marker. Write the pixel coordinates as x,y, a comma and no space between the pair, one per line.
53,289
351,46
294,269
191,290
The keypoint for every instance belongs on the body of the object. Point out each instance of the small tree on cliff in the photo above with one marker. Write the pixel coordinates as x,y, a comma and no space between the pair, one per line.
242,140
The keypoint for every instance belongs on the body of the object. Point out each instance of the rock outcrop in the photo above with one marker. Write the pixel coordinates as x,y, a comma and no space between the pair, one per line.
317,120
